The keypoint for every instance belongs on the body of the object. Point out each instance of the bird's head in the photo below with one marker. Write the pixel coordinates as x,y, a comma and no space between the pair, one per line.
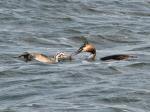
87,47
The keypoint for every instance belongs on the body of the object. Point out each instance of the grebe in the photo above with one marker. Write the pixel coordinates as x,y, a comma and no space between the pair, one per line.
87,47
116,57
45,59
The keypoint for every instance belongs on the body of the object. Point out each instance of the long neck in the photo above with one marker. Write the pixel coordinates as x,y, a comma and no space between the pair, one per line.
93,55
56,59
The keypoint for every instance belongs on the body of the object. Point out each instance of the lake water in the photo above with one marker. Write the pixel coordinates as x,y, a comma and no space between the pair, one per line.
51,26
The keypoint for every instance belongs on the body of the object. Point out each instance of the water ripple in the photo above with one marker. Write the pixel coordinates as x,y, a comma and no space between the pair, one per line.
51,26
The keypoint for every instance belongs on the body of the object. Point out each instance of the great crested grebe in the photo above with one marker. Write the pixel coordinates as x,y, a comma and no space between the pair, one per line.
45,59
87,47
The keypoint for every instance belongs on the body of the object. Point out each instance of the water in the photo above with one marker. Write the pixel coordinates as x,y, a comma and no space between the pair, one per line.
50,26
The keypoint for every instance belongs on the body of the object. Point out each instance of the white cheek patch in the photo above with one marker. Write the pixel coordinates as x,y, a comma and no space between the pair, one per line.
90,56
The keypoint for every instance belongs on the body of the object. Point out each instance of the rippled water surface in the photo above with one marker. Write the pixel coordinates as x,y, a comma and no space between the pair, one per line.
51,26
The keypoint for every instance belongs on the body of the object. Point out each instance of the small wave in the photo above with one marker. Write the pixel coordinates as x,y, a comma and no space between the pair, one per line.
117,39
120,100
139,65
17,96
146,48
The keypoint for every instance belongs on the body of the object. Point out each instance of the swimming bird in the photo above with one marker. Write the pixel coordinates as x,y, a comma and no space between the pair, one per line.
88,47
116,57
45,59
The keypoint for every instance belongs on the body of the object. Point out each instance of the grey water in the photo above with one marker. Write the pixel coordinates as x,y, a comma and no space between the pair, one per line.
51,26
